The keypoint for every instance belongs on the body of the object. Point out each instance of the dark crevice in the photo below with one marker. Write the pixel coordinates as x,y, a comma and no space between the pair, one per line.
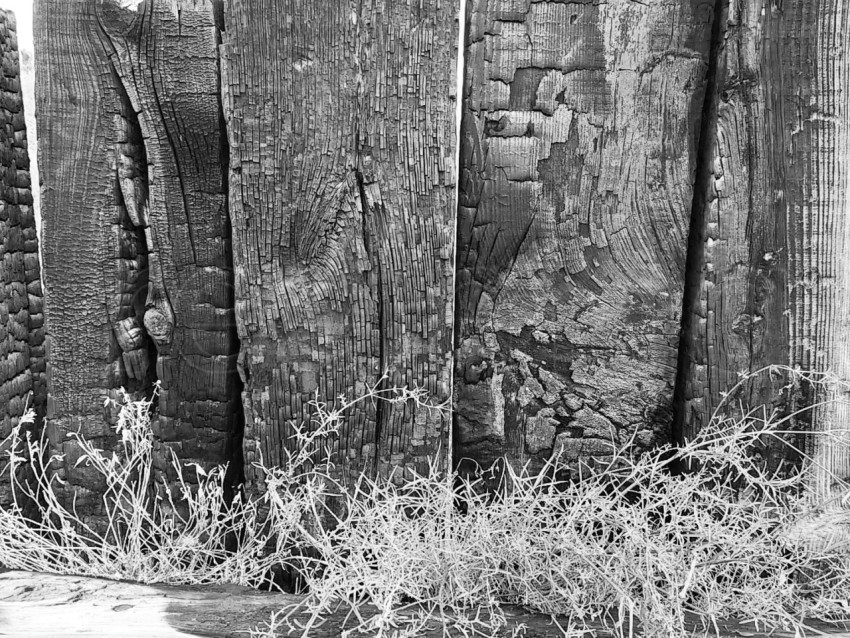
234,478
374,256
705,151
135,347
218,18
369,228
466,198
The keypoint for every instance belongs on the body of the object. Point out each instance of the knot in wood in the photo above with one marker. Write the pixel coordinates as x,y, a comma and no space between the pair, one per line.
160,326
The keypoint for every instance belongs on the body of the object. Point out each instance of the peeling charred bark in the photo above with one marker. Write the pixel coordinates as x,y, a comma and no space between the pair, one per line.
137,266
340,127
578,150
22,382
775,271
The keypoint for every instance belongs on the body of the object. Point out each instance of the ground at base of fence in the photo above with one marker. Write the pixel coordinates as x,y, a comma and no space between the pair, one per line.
36,605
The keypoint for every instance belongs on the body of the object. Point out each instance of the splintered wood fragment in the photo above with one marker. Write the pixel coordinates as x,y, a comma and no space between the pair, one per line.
578,151
136,363
343,220
128,333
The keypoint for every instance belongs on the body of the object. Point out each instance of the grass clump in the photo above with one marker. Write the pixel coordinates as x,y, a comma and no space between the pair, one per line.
154,533
627,544
158,531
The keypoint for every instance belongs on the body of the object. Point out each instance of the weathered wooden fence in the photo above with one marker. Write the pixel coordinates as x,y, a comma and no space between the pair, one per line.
253,202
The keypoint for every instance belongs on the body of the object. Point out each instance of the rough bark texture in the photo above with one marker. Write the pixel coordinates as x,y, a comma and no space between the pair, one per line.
775,274
136,257
578,150
340,126
22,381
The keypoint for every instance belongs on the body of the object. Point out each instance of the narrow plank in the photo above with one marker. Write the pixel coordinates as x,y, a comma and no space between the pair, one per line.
76,103
165,57
774,269
22,381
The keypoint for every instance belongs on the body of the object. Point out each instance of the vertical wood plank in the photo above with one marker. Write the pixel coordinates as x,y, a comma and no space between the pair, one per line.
166,61
775,274
75,104
137,272
578,150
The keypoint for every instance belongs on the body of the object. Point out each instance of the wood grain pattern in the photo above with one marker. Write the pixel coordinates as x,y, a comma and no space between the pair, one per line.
137,274
75,104
578,150
775,272
340,126
22,381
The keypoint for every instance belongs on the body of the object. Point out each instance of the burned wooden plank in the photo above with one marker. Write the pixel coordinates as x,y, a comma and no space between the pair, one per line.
340,123
137,265
774,274
578,149
22,382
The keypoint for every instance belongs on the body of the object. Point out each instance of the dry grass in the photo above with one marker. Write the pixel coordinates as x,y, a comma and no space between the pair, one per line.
182,533
627,543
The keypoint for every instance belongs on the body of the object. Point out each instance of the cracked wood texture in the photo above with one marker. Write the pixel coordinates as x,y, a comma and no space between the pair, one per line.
775,273
136,240
578,151
340,123
22,381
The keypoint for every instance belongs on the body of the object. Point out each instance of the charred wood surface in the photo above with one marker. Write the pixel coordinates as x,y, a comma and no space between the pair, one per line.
773,285
341,132
22,371
579,143
137,266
